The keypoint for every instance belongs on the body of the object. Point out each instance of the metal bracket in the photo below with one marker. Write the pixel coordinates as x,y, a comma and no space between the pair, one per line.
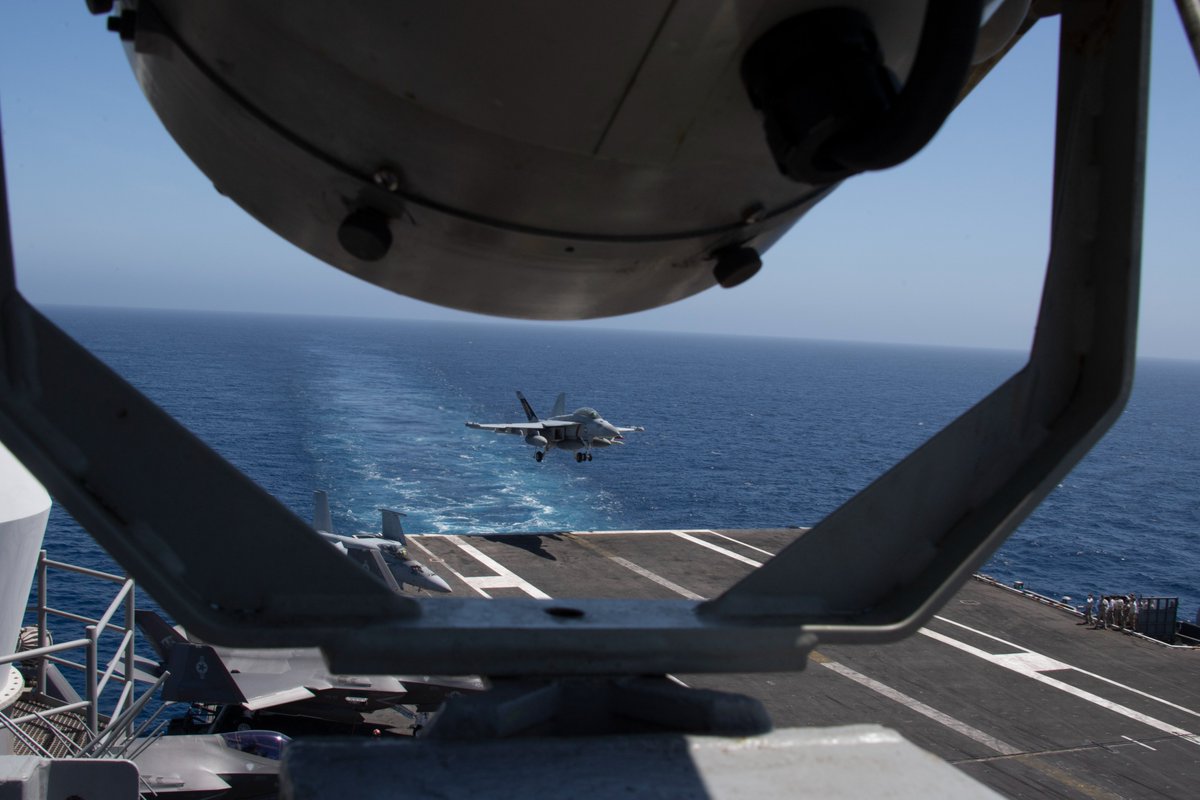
877,568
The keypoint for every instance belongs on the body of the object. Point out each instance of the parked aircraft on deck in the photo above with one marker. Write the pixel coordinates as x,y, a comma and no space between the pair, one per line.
581,430
286,683
384,555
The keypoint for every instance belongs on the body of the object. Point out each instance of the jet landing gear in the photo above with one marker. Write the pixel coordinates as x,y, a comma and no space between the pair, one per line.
538,456
580,457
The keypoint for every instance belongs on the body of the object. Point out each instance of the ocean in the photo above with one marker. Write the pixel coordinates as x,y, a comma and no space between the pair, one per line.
740,432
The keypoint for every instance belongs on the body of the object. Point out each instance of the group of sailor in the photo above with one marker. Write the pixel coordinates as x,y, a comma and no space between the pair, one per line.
1115,611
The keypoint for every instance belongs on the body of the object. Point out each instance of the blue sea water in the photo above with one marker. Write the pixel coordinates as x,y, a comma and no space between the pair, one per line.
740,432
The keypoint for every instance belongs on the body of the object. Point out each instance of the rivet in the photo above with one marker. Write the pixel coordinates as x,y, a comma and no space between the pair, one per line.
387,180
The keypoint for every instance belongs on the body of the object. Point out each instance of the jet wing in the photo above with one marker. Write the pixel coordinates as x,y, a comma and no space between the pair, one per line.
521,428
269,678
373,562
261,693
633,429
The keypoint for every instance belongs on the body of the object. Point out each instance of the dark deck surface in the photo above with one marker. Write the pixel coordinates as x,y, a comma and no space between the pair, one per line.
1013,692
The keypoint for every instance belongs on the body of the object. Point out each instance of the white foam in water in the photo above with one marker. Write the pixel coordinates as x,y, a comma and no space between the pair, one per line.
373,412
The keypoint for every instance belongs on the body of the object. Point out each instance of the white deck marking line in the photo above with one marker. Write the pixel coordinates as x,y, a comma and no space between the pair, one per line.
1143,744
511,579
743,544
1022,668
1109,681
448,568
615,533
916,705
491,582
638,569
718,548
659,579
1013,645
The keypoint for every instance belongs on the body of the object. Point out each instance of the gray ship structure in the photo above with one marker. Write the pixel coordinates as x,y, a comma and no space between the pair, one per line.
1007,686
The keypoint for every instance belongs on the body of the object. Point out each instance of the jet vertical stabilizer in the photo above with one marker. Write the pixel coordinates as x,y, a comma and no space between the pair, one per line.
529,413
405,569
385,556
560,406
392,529
322,521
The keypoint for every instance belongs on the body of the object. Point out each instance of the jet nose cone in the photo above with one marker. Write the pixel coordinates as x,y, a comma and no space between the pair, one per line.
426,578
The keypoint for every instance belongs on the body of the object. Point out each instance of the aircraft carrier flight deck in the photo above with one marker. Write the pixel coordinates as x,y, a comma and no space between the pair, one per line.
1016,693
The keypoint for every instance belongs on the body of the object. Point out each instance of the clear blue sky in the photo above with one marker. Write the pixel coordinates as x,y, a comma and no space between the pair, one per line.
949,248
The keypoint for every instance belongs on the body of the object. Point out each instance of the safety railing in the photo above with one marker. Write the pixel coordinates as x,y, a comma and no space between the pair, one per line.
96,677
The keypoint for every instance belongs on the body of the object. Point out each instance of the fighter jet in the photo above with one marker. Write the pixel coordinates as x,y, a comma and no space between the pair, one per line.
385,555
581,430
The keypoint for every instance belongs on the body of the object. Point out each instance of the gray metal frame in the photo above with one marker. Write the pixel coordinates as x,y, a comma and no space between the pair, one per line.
120,666
880,565
877,568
